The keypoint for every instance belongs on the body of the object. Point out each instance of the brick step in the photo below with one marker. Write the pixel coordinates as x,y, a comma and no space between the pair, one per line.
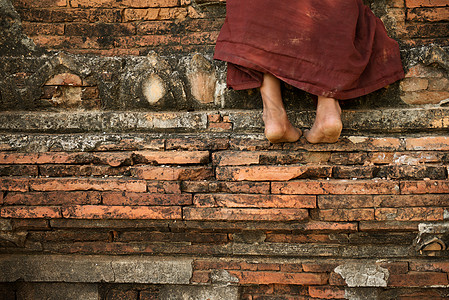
354,121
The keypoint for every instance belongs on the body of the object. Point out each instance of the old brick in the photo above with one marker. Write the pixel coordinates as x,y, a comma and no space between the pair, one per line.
434,143
411,200
359,172
122,212
172,173
412,84
430,266
85,184
326,292
279,277
30,212
424,97
376,226
166,187
52,198
171,157
226,187
418,279
15,170
425,187
128,198
247,200
410,172
244,214
374,186
298,238
15,184
197,143
275,173
346,214
345,201
410,214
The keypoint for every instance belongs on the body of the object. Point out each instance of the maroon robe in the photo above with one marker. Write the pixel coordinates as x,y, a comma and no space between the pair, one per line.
332,48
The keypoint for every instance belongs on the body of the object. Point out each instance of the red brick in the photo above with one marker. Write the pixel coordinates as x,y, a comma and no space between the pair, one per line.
430,266
112,159
418,279
99,29
238,158
319,226
247,200
19,170
345,201
172,173
425,3
42,28
126,198
244,214
291,268
14,184
388,226
49,15
125,3
326,292
319,267
336,279
172,157
222,126
40,3
279,277
122,212
197,143
425,15
30,212
374,186
298,238
200,277
410,214
346,214
30,224
400,267
85,184
53,198
274,173
226,187
411,200
166,187
425,187
190,237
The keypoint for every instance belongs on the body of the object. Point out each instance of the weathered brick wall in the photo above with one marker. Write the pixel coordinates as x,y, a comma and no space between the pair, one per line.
128,171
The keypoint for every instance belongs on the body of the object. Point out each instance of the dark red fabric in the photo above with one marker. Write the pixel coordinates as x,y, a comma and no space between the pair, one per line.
333,48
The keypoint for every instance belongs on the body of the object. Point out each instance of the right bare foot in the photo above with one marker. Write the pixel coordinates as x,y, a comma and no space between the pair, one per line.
278,128
327,126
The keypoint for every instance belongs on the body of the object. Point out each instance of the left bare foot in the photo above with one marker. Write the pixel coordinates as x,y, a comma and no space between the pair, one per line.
327,126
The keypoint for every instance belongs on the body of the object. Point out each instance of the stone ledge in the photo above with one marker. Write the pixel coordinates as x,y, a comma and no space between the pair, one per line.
381,121
95,269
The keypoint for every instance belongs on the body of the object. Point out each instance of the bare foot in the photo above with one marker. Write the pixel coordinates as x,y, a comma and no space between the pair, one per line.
327,126
278,128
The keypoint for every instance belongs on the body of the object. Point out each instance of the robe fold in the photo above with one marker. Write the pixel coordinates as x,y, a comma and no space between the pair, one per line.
332,48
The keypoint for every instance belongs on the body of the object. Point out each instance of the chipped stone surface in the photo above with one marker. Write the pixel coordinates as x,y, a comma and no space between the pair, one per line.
153,88
214,292
223,277
363,274
93,269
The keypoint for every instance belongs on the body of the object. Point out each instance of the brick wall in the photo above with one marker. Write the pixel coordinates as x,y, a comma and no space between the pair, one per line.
128,171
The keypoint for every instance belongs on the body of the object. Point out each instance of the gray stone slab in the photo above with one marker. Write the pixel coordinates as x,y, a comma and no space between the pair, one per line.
214,292
93,269
57,291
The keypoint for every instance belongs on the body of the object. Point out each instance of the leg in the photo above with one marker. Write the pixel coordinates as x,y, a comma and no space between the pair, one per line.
278,128
327,126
